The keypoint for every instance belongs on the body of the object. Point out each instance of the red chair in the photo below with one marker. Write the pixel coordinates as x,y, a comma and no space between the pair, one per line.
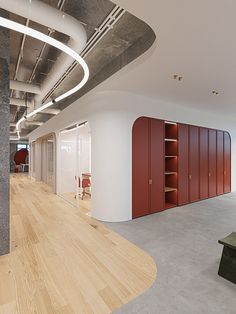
20,158
86,183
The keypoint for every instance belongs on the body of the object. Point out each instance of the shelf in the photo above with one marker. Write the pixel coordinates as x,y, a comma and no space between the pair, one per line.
170,172
171,123
167,189
169,205
170,140
170,156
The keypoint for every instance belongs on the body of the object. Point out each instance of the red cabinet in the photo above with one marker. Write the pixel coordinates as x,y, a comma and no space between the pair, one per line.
175,164
203,160
193,163
183,176
227,163
148,166
140,167
220,163
212,163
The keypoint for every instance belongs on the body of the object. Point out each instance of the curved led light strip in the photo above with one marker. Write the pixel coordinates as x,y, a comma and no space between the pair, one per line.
55,43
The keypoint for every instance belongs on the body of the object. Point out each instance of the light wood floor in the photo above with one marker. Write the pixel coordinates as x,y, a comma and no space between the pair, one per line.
62,261
85,204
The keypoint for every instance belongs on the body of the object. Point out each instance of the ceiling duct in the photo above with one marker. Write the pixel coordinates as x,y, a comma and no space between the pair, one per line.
19,102
25,87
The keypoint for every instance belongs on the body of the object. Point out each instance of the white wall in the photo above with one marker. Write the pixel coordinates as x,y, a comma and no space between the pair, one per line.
111,115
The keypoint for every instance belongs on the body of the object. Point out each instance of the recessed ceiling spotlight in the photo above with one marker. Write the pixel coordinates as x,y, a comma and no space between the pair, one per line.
215,93
177,77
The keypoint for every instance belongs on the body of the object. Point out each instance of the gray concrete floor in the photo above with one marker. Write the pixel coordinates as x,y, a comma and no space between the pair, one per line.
183,243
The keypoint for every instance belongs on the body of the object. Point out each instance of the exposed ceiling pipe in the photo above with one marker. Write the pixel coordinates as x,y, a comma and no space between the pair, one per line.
109,22
60,5
19,102
45,14
20,55
38,123
25,87
51,111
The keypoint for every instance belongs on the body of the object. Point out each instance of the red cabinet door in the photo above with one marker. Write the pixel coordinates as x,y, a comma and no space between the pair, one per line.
227,163
203,159
140,167
156,169
220,163
212,163
193,163
183,178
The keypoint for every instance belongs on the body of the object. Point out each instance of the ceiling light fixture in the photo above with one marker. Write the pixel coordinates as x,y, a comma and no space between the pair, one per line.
78,126
177,77
57,44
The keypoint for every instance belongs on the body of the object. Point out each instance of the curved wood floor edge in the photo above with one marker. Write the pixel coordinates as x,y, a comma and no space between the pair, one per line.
62,261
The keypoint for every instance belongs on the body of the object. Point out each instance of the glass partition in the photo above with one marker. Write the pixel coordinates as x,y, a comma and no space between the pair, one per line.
84,166
68,164
75,165
50,160
32,154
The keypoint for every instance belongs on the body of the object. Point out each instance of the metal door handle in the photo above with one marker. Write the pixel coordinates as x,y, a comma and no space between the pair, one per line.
190,177
209,174
150,181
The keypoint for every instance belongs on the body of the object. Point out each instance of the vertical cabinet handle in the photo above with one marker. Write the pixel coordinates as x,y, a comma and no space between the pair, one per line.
150,181
209,174
190,177
224,173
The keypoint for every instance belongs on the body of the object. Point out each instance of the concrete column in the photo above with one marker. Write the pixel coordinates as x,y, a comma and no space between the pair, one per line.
4,139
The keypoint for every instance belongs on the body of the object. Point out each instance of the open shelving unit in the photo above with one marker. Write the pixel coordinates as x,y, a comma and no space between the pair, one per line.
171,164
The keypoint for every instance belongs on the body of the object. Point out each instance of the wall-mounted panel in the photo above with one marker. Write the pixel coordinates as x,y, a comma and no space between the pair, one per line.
183,176
227,163
140,167
193,163
203,160
212,163
220,163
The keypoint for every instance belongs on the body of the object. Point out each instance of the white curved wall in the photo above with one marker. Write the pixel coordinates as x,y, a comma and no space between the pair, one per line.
111,115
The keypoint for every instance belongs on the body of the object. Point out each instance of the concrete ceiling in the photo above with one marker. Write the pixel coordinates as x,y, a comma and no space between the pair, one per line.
196,40
91,13
129,38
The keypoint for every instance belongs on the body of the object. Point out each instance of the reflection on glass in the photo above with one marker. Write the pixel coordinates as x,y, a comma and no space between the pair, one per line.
75,165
